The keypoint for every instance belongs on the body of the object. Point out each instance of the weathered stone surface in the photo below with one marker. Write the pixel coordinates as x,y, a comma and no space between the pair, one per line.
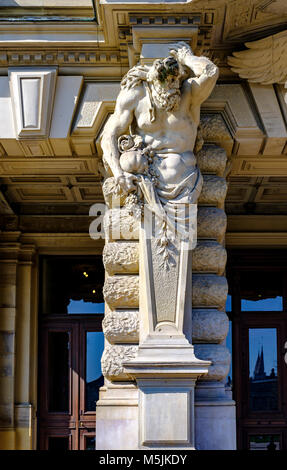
211,223
110,193
113,358
121,326
121,257
209,290
214,129
122,223
213,191
122,291
209,326
212,159
218,355
209,256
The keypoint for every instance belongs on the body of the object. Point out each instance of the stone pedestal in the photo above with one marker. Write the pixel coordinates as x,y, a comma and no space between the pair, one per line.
117,417
215,417
165,367
117,408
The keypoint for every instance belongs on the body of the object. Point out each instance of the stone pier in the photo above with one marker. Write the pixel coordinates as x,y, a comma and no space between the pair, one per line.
117,408
215,421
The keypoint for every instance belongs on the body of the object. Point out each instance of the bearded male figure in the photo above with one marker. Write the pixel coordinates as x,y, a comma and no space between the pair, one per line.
160,106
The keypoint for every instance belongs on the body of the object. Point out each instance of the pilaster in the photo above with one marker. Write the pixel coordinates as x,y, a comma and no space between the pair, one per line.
9,251
24,403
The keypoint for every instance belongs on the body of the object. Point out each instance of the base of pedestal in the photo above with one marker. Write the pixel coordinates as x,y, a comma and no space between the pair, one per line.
215,418
117,418
166,377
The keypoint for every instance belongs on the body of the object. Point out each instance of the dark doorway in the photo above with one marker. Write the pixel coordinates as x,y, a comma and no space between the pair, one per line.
258,286
71,343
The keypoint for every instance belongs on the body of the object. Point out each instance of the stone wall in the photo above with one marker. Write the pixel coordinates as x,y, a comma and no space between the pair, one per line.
210,322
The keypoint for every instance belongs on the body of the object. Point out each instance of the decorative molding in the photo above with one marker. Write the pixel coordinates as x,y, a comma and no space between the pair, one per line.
32,94
38,166
243,17
231,102
12,58
256,239
97,101
252,166
259,224
63,243
271,117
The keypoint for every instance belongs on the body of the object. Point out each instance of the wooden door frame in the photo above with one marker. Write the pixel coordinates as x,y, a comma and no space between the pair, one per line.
240,261
49,425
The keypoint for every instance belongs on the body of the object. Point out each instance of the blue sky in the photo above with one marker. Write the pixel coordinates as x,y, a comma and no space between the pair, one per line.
258,337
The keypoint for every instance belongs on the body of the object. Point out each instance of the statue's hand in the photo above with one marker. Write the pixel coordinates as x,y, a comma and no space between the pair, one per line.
181,51
126,181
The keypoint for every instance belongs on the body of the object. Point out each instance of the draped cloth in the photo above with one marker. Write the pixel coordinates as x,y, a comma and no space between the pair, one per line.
175,204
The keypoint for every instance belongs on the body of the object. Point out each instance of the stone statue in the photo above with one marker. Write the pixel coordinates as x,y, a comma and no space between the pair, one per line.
148,142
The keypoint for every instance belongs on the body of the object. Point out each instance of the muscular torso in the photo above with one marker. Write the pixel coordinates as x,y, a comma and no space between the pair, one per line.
172,136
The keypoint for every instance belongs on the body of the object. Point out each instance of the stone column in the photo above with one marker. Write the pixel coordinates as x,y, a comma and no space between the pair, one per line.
164,198
9,249
215,422
25,324
117,416
165,367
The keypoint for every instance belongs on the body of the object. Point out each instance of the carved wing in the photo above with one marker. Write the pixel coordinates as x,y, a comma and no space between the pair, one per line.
265,60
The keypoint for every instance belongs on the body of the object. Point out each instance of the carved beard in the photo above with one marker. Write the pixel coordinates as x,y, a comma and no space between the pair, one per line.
165,98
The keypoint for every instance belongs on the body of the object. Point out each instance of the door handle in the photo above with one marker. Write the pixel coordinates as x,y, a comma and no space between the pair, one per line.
285,355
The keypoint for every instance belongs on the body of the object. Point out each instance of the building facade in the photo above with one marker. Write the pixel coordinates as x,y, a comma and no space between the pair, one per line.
72,281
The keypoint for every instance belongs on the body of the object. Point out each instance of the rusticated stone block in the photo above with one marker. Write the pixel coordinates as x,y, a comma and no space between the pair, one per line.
122,291
209,256
209,326
209,290
211,223
214,129
122,224
121,326
121,257
212,159
113,358
213,191
218,355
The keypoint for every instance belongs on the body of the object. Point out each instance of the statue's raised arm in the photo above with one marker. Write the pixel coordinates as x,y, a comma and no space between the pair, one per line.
205,73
